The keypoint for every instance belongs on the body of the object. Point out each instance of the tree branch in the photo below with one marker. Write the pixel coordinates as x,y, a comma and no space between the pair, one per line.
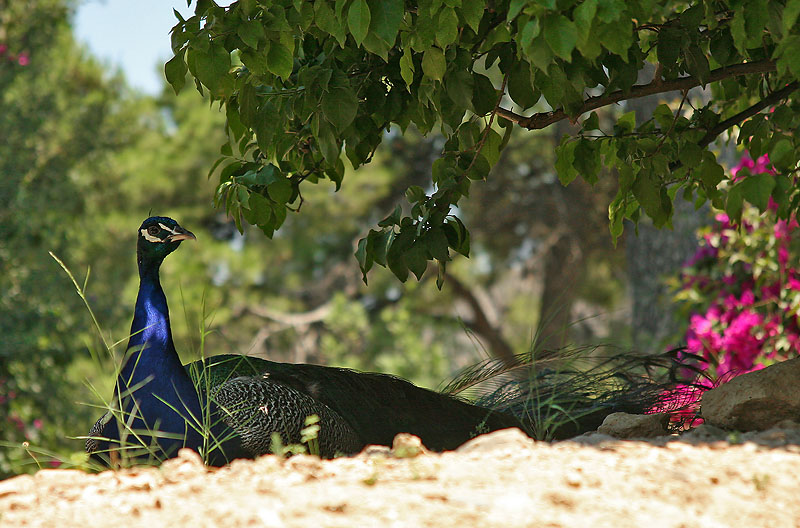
769,100
480,323
315,315
722,126
545,119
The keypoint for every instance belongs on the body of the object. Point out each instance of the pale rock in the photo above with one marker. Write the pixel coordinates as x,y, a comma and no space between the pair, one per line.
511,438
624,425
757,400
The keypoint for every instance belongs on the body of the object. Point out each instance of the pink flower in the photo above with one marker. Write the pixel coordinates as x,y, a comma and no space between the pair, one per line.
55,463
762,164
745,163
741,345
783,256
3,49
782,229
37,423
703,254
701,339
23,59
747,298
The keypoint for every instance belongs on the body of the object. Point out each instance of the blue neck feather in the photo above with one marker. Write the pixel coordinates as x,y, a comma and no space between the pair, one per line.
154,371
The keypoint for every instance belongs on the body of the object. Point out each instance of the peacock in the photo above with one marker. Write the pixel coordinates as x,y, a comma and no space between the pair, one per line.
233,406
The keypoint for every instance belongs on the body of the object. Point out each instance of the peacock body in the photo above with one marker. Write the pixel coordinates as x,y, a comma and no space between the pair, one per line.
230,406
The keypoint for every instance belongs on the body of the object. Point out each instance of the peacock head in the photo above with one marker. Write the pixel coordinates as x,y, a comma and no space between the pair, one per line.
158,237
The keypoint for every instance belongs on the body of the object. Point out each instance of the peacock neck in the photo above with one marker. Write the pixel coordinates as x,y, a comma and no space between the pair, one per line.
151,352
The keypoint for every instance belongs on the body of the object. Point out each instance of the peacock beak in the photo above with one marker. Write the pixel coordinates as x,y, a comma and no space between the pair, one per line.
179,234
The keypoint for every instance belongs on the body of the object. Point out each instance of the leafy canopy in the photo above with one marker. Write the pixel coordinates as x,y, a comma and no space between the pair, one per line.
302,81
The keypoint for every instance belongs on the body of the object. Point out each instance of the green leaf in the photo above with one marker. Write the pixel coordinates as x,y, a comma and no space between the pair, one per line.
520,88
340,106
415,194
616,215
561,35
211,67
364,259
670,40
626,122
261,208
617,37
479,168
647,190
529,32
472,11
251,32
387,16
565,159
376,46
789,59
280,190
328,145
416,260
433,63
491,146
175,71
790,15
393,219
610,10
407,68
757,188
584,16
697,64
733,204
539,54
280,60
591,123
459,86
514,8
358,18
484,95
691,155
440,274
587,159
721,47
436,242
380,241
398,266
447,31
248,104
782,154
326,20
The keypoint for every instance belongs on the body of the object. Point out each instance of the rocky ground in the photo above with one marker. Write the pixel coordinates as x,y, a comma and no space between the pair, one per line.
501,479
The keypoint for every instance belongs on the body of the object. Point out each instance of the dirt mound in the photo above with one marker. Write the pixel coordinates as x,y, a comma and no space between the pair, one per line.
502,479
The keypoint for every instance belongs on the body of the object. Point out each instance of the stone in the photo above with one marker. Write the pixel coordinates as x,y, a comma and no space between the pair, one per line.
406,445
757,400
511,438
624,425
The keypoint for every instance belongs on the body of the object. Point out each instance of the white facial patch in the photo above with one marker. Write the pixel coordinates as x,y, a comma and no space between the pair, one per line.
165,228
150,238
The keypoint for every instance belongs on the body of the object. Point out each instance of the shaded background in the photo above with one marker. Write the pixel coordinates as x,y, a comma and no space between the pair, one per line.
93,142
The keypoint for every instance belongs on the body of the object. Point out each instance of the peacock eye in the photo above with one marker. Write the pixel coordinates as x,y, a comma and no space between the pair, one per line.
153,230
